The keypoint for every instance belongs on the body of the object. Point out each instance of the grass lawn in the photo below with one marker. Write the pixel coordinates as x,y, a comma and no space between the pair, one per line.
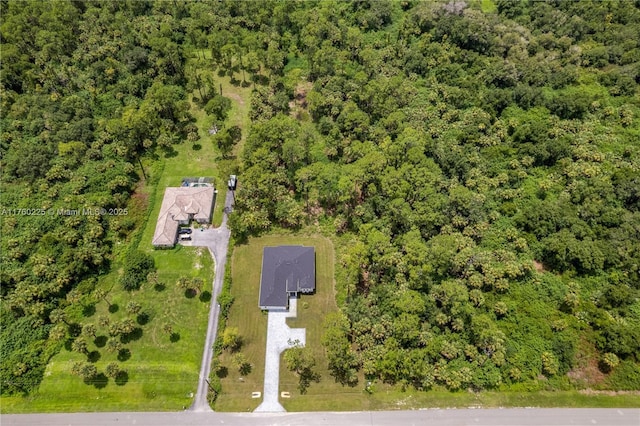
162,370
252,322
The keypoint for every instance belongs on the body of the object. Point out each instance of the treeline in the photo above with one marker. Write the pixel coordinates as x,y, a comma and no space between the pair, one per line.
481,171
87,88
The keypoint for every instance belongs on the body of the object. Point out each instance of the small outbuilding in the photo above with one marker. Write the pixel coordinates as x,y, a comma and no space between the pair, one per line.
286,271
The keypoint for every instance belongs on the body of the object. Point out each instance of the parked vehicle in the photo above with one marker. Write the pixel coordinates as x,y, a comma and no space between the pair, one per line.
233,182
182,231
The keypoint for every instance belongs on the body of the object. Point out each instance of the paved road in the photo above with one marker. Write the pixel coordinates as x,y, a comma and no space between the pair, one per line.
480,417
217,241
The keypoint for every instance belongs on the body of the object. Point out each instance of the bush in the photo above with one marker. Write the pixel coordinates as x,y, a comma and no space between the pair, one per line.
625,376
136,268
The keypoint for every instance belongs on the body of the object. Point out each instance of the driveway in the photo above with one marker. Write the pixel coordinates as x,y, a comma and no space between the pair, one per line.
279,338
217,241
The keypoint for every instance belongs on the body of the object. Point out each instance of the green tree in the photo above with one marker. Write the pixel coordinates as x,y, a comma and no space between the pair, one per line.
112,370
231,339
136,268
301,361
80,345
218,107
133,307
89,330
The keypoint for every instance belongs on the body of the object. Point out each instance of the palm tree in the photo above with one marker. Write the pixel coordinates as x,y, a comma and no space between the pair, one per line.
133,307
80,345
114,345
112,370
89,330
57,316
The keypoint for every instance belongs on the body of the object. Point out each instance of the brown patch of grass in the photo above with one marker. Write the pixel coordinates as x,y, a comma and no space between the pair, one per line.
586,372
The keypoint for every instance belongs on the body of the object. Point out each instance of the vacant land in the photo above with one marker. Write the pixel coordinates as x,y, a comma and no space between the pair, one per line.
252,322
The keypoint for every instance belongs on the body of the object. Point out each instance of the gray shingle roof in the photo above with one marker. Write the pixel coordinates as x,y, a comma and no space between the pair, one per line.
286,269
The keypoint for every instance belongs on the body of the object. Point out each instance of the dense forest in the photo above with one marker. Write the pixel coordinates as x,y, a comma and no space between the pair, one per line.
478,166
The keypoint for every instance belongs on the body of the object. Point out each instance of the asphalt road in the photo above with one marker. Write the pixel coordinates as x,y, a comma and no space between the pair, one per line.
480,417
217,241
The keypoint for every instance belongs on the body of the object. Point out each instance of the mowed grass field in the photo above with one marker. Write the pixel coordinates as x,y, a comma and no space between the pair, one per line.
251,322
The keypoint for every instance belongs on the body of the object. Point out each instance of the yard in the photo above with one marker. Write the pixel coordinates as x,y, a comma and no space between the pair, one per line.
161,367
252,322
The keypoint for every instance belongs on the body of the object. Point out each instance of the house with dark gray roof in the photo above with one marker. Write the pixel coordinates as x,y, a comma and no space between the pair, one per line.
286,271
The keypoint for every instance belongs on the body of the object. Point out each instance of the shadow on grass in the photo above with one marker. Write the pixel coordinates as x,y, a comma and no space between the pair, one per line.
174,337
136,334
170,153
100,341
93,356
205,296
122,378
113,308
89,310
99,382
143,318
159,287
124,354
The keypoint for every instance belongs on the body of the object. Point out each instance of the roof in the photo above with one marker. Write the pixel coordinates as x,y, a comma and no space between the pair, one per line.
177,205
286,269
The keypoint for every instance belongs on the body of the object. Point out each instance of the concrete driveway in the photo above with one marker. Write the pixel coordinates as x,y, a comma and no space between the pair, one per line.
217,241
279,338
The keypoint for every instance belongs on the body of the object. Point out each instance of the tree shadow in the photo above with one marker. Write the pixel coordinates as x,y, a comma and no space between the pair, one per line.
113,308
159,287
93,356
174,337
190,293
196,147
222,372
100,341
262,80
99,382
122,378
89,310
170,153
205,296
136,334
124,354
143,318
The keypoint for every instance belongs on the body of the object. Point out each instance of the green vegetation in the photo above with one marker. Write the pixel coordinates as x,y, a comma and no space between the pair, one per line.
250,322
156,370
475,162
